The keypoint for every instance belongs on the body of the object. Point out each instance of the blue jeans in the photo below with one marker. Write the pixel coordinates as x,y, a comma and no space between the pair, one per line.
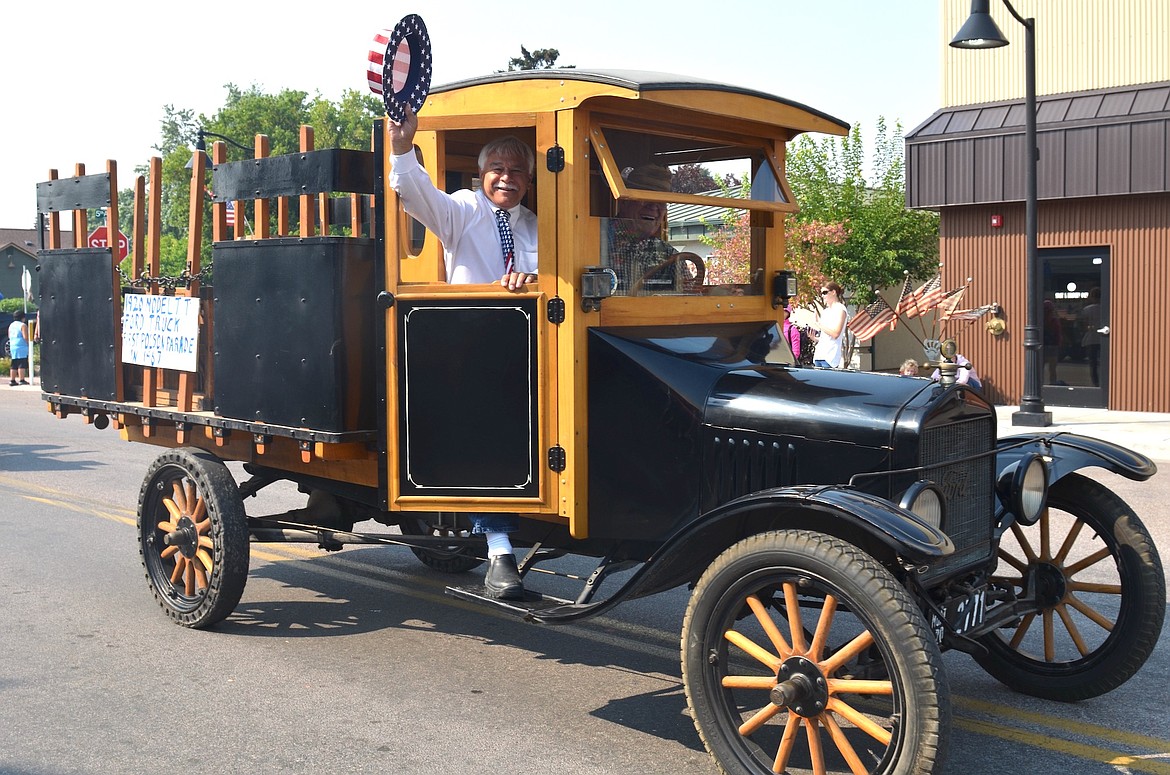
494,523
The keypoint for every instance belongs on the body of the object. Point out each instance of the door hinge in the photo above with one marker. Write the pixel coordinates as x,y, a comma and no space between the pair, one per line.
556,458
556,310
554,159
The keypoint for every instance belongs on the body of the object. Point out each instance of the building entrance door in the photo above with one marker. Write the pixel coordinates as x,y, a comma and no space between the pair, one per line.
1075,326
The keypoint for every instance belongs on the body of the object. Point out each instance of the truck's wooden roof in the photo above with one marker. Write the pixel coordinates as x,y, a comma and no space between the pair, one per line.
561,88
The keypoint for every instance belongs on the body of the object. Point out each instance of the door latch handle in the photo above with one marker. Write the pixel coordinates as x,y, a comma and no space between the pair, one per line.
1103,330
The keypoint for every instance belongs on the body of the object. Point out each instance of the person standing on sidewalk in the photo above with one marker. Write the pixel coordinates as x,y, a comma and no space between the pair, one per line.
830,328
18,344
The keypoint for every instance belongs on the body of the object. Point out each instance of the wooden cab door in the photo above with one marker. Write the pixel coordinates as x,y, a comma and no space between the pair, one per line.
469,397
470,394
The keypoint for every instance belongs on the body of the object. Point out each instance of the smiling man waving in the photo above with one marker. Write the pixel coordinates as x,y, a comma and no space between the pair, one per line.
487,234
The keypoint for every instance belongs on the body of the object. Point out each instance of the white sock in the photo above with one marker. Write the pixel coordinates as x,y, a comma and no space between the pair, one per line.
498,544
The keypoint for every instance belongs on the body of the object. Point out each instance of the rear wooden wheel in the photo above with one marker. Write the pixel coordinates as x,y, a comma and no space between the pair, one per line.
449,559
193,537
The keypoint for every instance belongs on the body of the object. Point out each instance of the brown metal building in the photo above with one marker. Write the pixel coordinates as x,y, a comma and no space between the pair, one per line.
1104,222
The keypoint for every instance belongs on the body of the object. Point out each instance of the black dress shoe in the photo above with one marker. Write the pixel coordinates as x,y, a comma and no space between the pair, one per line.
503,579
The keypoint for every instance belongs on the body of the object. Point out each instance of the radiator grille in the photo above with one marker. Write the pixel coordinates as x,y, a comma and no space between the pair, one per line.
967,485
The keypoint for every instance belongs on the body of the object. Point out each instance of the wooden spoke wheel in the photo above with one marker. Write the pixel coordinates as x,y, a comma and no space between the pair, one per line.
448,559
1094,577
802,654
193,537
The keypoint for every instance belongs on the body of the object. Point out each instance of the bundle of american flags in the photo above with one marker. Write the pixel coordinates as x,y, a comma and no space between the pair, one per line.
869,321
914,303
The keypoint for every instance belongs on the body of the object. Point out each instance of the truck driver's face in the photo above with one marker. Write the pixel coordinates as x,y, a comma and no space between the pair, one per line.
644,218
505,181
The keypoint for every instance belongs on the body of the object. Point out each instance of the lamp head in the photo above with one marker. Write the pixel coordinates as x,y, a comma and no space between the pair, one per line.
980,30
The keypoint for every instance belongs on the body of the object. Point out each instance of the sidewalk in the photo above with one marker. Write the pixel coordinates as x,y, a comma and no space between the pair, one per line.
1145,432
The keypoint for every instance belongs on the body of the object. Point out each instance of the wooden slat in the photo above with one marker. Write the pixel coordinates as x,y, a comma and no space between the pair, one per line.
138,233
263,208
218,206
194,262
80,217
307,208
55,223
112,233
152,378
355,214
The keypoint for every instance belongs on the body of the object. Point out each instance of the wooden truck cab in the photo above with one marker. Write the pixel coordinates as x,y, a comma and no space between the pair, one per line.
586,127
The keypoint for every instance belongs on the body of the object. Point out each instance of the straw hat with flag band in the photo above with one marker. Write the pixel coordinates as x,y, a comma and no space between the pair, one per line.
399,66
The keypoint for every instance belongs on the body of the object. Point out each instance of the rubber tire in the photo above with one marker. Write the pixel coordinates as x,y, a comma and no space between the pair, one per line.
457,560
868,597
1140,614
228,532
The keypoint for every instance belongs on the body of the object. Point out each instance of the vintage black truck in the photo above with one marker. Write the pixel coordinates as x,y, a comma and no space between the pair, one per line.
837,529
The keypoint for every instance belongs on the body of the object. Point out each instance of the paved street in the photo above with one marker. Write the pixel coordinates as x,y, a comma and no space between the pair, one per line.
356,662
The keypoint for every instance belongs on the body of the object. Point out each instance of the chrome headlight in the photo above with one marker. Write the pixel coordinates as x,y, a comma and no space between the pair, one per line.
1023,488
925,501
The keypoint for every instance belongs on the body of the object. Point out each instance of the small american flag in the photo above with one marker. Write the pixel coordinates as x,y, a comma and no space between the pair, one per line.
869,321
231,213
905,298
950,302
973,314
927,297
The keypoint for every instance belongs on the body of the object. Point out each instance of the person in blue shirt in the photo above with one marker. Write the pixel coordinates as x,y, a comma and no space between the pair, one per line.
18,344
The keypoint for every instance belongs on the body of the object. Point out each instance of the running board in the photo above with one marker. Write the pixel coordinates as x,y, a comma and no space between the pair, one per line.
535,607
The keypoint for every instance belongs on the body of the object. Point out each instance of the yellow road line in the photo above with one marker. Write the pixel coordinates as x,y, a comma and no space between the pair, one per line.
69,506
1130,762
1066,725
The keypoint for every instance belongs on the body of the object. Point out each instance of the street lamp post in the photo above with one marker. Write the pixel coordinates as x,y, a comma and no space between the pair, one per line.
980,31
201,145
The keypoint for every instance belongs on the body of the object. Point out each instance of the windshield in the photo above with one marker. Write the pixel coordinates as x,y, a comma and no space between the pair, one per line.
682,215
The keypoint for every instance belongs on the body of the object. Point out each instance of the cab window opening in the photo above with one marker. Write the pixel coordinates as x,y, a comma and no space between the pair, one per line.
683,247
458,168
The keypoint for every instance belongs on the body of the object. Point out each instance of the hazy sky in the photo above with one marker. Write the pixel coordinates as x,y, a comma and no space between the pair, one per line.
85,82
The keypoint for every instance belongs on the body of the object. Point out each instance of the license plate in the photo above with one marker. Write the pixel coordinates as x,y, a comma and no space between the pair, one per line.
963,614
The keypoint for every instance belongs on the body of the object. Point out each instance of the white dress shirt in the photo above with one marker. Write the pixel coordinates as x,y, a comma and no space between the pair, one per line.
465,222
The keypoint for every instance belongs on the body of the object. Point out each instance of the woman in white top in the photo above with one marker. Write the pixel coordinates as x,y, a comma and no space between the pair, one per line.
830,327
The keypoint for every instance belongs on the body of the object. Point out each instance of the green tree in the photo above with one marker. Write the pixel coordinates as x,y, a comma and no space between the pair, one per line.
883,238
537,59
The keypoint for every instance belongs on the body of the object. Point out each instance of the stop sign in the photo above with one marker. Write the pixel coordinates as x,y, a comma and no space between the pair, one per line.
98,238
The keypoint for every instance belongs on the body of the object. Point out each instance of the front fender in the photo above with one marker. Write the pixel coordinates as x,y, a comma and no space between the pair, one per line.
1068,452
875,525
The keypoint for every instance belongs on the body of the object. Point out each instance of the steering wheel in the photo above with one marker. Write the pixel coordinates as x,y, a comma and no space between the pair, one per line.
690,284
